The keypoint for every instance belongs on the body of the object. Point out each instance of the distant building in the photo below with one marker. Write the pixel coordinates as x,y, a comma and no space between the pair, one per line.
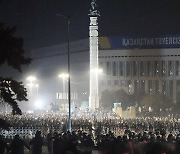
149,64
135,64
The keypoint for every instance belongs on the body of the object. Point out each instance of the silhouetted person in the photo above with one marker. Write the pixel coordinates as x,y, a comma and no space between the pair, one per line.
3,146
49,140
36,143
57,144
178,144
17,145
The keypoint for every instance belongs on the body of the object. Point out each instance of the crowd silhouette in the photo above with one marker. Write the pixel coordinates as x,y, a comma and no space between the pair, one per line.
105,133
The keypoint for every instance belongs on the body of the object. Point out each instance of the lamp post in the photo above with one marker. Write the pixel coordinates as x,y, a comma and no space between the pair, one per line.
67,18
31,79
31,85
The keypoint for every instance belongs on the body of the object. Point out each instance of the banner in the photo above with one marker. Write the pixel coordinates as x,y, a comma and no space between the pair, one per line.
117,42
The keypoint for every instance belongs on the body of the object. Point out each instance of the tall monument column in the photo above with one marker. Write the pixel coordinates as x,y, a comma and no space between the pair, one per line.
93,45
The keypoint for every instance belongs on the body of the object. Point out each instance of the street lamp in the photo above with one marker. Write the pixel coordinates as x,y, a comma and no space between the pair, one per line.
63,75
67,18
31,79
31,85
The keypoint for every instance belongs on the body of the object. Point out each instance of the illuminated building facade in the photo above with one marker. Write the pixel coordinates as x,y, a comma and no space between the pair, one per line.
151,65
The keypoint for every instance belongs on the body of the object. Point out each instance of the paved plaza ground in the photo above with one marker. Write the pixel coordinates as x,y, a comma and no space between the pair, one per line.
45,151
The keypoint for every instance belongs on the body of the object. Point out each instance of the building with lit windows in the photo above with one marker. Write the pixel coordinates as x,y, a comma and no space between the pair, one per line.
149,64
148,70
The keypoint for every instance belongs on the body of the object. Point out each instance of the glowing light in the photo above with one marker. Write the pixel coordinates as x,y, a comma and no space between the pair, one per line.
63,75
36,85
100,71
96,70
29,111
39,104
31,78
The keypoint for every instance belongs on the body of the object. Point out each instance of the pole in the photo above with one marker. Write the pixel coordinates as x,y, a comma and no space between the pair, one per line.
69,80
67,18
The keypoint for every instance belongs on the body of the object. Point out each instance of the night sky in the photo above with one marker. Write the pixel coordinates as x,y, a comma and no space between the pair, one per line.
38,24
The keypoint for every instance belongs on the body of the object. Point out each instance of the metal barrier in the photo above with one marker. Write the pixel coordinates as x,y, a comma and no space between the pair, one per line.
25,132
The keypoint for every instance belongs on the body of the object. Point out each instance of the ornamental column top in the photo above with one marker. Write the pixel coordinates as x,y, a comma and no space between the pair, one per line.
93,10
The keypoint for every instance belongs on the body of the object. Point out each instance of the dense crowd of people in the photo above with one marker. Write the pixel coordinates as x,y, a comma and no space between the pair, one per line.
105,132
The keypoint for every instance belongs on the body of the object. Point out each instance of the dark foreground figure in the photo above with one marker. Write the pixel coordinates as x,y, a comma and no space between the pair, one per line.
17,145
129,143
36,143
3,145
82,143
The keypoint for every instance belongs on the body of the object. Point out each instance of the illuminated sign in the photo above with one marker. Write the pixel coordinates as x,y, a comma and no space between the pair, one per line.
143,42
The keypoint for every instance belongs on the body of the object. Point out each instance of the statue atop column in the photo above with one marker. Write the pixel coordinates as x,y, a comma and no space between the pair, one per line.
93,10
